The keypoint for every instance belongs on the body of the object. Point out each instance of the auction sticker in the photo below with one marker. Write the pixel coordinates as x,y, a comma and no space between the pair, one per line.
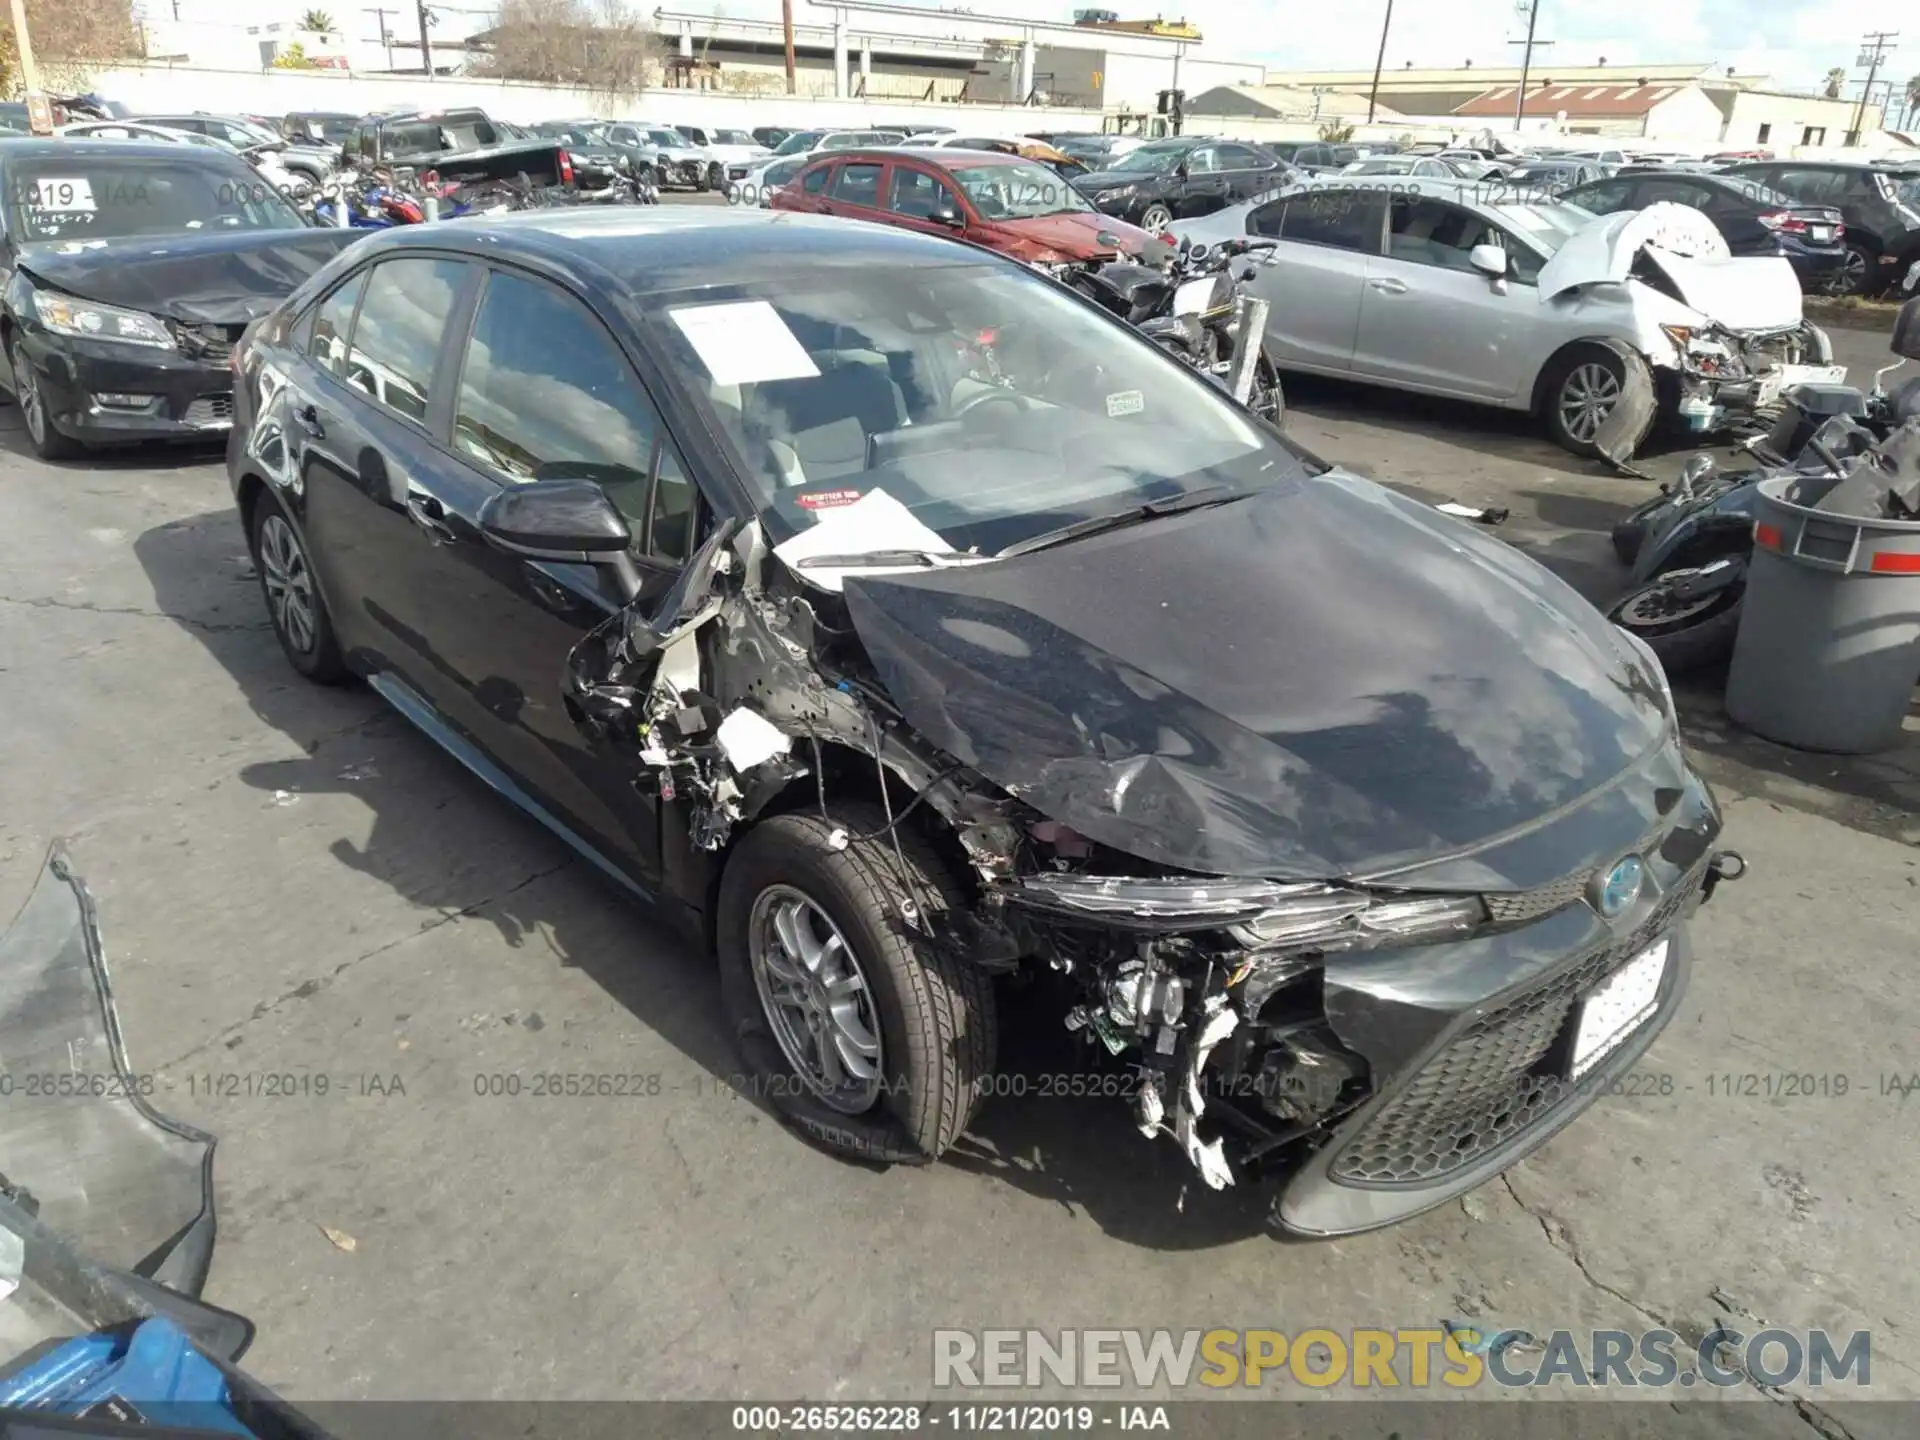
826,499
59,194
1125,402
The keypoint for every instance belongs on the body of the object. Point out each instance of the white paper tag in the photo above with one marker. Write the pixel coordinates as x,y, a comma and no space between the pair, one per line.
748,739
62,194
1125,402
744,343
1193,297
876,521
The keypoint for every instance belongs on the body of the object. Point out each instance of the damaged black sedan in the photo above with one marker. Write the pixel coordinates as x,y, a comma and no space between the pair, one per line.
127,271
936,644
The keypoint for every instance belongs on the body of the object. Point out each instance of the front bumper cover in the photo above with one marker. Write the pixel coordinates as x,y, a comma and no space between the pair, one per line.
191,397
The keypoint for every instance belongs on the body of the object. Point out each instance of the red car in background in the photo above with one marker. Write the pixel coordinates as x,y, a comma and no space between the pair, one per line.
1015,206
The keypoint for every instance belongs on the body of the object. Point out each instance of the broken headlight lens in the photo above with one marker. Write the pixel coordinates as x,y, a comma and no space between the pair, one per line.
1329,918
1174,897
65,315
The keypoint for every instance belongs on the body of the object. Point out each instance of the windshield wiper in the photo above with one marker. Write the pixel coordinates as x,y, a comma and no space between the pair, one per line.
1120,519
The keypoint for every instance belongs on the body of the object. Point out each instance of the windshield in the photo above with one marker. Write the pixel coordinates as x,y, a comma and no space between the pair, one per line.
329,129
991,404
1388,165
1547,225
1152,159
579,133
1020,191
439,135
666,139
79,198
1907,189
733,137
799,141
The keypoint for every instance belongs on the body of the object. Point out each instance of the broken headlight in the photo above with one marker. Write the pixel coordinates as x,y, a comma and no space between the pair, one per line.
1260,914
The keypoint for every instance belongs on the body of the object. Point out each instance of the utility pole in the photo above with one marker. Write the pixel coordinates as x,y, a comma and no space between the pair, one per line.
1379,60
786,24
426,41
380,13
1526,62
39,111
1881,41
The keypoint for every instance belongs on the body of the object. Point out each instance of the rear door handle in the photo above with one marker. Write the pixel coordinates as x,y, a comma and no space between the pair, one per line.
430,515
1388,286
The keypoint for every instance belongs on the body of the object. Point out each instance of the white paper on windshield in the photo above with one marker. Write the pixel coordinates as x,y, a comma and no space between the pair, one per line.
744,343
1125,402
69,195
876,521
1193,297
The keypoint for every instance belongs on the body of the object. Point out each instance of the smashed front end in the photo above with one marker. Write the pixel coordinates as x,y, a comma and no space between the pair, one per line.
1299,980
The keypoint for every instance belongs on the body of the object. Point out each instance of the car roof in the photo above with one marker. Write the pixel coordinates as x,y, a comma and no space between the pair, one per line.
24,148
933,154
651,248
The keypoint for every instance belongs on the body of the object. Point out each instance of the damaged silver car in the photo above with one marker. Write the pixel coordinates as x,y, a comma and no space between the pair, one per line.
936,644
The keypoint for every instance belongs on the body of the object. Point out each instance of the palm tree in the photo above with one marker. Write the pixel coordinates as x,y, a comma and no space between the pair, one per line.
1913,98
317,20
1836,81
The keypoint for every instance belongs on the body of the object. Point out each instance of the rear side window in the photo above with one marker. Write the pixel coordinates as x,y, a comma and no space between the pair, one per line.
397,336
1604,198
332,320
815,181
546,393
1336,219
858,185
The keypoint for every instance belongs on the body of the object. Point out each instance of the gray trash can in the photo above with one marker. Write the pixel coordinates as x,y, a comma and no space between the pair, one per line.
1829,643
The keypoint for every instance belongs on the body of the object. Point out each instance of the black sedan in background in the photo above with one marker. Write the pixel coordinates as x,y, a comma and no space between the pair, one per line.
1171,180
849,593
127,271
1751,218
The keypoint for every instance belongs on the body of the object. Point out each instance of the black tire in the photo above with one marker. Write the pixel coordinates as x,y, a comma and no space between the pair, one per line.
1699,642
1266,382
318,658
935,1009
1858,274
48,442
1580,360
1156,218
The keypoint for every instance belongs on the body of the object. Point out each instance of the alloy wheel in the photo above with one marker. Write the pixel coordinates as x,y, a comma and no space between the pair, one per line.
1850,278
1586,400
288,582
26,394
1156,219
815,998
1663,605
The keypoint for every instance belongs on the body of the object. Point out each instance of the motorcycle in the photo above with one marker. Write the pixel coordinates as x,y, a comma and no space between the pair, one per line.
1689,546
1195,308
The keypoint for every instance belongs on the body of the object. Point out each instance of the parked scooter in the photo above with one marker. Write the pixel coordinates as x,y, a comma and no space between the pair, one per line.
1690,546
1197,309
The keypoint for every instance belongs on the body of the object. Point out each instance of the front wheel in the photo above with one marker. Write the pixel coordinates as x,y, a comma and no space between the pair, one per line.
1267,399
1579,396
1156,219
1687,631
48,441
867,1036
1854,274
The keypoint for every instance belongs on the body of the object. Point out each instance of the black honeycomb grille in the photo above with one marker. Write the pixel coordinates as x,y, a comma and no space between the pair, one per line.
1489,1084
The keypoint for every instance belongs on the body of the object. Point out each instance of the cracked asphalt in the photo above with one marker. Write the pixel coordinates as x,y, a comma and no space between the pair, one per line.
292,882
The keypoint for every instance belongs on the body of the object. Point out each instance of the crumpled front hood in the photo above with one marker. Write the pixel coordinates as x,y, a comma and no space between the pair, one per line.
1744,293
1080,235
1326,680
221,278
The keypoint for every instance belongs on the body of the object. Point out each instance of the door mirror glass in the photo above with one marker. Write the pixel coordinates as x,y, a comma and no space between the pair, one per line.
946,213
1489,260
556,519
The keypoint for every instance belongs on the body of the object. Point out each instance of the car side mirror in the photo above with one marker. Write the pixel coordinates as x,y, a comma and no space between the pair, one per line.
571,521
1489,260
945,214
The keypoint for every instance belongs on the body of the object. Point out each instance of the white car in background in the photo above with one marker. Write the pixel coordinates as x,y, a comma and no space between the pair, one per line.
727,148
267,162
757,183
1510,298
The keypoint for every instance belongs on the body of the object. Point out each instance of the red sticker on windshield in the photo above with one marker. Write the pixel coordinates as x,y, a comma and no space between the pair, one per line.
826,499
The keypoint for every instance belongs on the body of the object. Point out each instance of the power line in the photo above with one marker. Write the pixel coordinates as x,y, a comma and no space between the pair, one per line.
1526,62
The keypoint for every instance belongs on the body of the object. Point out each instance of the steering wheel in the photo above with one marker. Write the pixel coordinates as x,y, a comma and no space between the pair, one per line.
993,396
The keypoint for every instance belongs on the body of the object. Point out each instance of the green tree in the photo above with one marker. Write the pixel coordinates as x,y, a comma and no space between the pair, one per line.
317,20
1836,81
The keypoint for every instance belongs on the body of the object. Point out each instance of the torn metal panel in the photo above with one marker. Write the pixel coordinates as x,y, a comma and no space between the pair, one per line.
1621,433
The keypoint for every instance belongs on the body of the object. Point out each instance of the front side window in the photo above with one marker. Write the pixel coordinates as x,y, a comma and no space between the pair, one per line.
1604,198
991,404
397,336
1337,219
917,194
814,182
1243,157
332,320
83,196
858,185
1432,232
545,393
1203,160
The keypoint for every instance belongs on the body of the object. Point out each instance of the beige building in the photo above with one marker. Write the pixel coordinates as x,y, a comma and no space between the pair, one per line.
1697,104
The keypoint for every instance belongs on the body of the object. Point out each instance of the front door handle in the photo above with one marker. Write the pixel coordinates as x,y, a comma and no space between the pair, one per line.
430,515
1387,286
